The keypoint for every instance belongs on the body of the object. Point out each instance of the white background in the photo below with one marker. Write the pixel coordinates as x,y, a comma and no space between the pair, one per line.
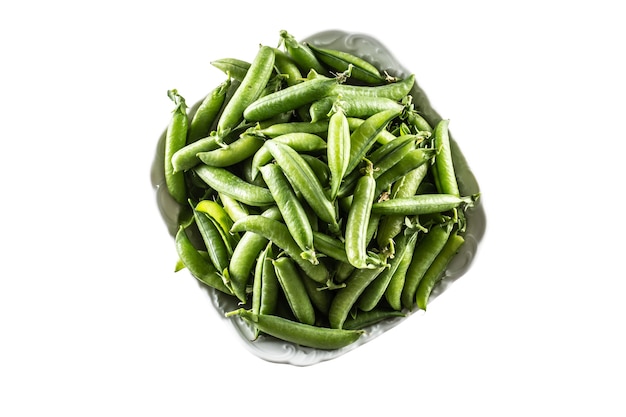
93,322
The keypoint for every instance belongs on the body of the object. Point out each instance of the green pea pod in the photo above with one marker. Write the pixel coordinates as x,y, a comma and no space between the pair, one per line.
199,267
412,160
359,107
270,286
365,136
239,150
376,290
319,294
303,179
424,255
220,217
418,122
365,319
358,221
233,208
175,139
286,66
395,90
187,157
233,67
279,129
393,292
293,214
245,254
422,204
392,158
298,141
338,149
288,99
217,248
319,167
301,54
278,233
294,290
346,297
340,61
382,138
443,168
251,86
224,181
330,246
436,271
207,112
299,333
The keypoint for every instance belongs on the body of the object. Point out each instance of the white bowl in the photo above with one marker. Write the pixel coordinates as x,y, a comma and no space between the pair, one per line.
272,349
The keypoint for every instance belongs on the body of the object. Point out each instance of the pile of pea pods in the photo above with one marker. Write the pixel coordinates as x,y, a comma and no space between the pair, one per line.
314,193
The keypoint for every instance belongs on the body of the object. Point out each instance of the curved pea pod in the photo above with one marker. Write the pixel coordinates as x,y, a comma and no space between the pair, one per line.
288,99
293,214
436,271
298,141
220,217
224,181
443,168
423,204
301,54
358,221
364,137
299,333
293,287
424,255
394,90
245,254
199,267
249,90
286,66
175,139
187,157
365,319
304,180
233,67
233,153
207,112
338,149
219,250
278,233
340,61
